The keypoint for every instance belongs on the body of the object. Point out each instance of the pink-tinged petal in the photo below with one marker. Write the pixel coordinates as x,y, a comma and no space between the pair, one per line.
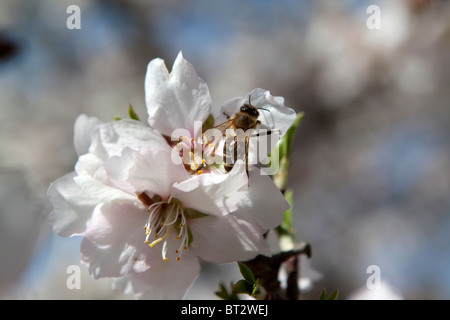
175,100
166,280
97,187
217,194
154,172
226,239
264,204
114,241
72,207
111,138
83,128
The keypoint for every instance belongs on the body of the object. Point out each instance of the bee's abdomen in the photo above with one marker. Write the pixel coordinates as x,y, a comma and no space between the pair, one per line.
229,155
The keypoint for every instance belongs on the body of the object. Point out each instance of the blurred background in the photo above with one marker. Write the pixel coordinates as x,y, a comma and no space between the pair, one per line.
371,159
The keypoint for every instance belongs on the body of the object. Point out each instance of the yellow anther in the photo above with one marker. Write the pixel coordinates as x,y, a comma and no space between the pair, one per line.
165,259
178,259
159,239
199,172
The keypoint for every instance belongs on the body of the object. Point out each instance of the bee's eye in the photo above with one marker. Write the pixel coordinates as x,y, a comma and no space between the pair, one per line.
255,112
244,108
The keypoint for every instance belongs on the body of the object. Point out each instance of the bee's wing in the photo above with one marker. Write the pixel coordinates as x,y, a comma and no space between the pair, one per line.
217,133
224,126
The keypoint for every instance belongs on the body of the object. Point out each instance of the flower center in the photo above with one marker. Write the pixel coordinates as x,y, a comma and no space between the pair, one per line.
164,217
193,153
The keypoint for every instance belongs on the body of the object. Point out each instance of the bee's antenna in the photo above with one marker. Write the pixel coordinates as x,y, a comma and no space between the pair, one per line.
264,109
249,97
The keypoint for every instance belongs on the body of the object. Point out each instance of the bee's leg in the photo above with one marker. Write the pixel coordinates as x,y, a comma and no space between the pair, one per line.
246,157
268,132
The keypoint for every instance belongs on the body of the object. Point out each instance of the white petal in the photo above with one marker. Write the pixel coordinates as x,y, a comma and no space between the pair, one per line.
111,138
97,187
153,171
166,280
264,204
72,207
83,128
114,241
177,99
211,193
88,164
226,239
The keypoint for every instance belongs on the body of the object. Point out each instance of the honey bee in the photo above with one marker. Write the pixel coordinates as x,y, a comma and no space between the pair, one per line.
242,123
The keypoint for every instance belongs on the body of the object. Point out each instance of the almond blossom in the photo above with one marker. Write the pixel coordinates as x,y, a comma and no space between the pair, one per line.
147,220
144,217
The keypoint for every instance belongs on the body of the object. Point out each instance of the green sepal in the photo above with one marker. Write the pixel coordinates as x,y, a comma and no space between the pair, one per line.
208,124
193,214
132,114
190,236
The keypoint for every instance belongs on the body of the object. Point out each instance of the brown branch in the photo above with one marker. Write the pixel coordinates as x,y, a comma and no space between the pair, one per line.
266,270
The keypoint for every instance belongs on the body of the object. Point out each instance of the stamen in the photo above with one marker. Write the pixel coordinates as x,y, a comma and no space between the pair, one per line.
194,164
151,245
165,215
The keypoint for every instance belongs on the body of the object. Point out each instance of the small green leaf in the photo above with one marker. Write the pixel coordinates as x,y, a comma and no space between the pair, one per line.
283,153
332,296
323,295
224,294
132,114
243,286
255,288
246,273
117,118
286,226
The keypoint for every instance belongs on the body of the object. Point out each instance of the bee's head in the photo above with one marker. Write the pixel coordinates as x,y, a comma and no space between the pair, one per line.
249,109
